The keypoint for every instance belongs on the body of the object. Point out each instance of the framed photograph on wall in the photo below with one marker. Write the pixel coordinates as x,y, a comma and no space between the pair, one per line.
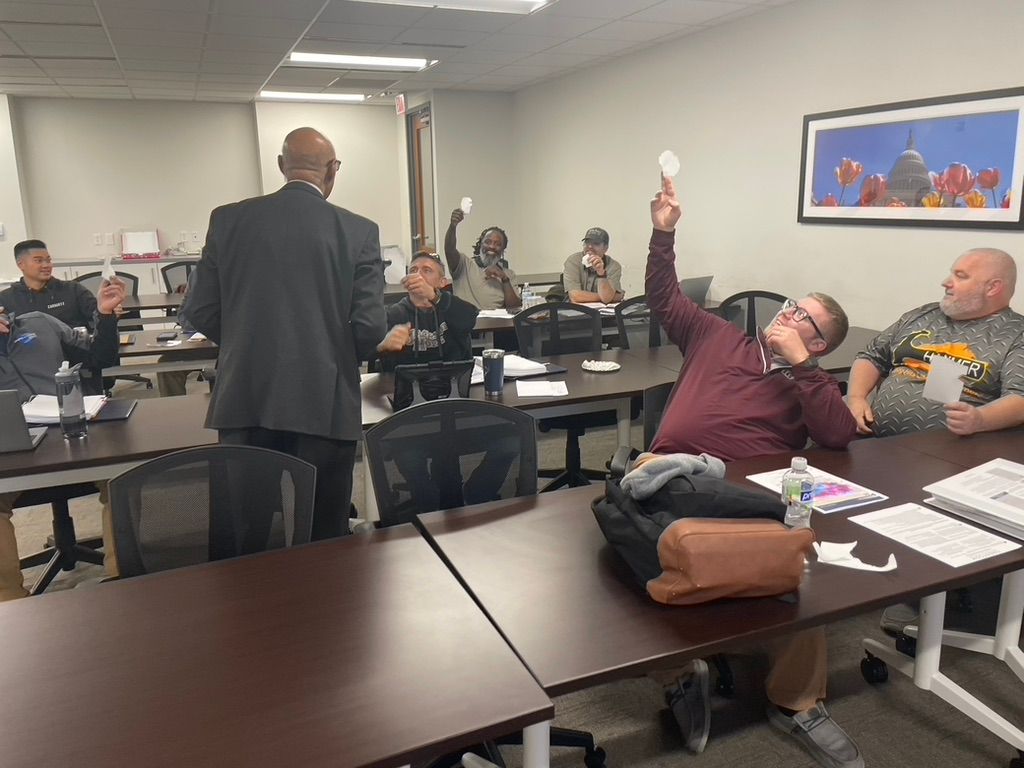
953,161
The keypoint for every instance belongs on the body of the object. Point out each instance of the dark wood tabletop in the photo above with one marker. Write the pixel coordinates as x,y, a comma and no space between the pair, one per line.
543,571
156,426
967,451
152,301
354,653
145,344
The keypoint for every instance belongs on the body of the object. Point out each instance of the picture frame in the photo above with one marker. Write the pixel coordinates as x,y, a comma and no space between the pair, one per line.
949,161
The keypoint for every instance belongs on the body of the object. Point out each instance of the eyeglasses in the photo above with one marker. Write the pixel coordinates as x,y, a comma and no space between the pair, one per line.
789,306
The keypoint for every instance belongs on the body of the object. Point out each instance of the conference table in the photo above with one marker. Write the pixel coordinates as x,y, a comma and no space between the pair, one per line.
362,652
543,572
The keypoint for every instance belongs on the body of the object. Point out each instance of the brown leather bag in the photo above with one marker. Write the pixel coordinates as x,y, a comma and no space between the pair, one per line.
705,559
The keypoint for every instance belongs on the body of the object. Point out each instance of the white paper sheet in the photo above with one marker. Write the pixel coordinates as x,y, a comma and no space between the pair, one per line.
197,336
494,313
932,533
943,384
43,409
991,494
541,389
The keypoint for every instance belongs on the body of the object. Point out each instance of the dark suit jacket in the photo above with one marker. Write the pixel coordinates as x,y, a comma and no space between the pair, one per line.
291,288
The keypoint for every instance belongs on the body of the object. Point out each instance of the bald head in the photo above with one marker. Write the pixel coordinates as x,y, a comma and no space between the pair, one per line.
307,155
981,283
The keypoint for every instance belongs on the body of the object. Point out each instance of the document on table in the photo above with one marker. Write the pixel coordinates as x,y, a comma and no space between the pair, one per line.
197,336
494,313
831,493
932,533
43,409
541,388
991,494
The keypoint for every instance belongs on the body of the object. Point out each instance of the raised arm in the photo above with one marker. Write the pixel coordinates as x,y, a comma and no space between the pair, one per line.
451,250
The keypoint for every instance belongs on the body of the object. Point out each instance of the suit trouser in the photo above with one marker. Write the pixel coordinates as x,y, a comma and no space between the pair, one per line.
12,584
333,459
798,669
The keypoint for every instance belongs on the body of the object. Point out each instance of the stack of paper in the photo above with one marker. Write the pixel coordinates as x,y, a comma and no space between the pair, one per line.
991,494
494,313
43,409
522,366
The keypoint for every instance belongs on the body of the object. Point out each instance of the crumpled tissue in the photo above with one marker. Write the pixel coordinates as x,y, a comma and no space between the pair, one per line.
841,554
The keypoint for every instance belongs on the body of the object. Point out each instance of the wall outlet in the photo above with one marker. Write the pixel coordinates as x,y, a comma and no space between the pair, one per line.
97,238
109,238
195,237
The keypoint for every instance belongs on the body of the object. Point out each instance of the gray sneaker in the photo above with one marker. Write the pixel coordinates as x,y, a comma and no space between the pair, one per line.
895,618
819,734
689,698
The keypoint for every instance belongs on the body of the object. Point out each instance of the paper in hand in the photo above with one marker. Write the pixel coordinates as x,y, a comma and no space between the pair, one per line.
944,384
466,205
108,269
669,163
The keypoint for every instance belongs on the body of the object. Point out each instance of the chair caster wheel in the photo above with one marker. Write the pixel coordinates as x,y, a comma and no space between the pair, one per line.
874,670
594,759
907,645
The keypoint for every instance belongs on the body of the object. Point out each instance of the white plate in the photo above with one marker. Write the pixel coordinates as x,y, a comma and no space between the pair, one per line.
600,366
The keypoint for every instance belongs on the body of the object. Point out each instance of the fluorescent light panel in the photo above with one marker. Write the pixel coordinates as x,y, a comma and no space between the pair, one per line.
494,6
340,61
299,96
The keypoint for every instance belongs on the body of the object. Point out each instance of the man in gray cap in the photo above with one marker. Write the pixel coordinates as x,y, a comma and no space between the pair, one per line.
591,274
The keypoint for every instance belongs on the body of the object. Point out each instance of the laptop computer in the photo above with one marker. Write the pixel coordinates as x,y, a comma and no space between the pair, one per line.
696,288
14,432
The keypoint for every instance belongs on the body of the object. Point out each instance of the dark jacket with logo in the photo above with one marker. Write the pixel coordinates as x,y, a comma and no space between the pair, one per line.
70,302
439,333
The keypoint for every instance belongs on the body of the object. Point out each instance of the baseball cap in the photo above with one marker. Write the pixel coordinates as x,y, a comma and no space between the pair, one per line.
596,235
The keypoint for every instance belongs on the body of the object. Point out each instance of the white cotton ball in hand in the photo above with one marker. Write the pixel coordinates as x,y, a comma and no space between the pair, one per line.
466,205
669,162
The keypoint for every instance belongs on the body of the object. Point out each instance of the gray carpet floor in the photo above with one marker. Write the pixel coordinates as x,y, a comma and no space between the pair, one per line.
896,724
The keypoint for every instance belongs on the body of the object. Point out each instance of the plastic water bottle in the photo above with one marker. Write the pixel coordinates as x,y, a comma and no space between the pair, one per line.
798,493
527,296
70,401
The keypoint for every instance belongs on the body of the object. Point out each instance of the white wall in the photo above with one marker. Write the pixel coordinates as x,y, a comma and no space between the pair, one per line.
102,165
730,101
12,215
473,140
365,140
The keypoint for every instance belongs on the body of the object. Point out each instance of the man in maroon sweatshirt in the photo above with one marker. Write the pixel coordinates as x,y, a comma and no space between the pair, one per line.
739,396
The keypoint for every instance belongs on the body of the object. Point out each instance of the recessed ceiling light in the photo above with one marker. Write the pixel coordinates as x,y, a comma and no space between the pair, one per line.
299,96
494,6
336,61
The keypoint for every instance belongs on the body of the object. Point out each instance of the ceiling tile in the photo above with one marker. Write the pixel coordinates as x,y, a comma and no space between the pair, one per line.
80,67
559,59
146,93
475,68
120,17
20,67
33,90
266,58
432,80
592,47
332,46
258,26
55,33
686,11
635,31
524,71
280,9
471,21
358,33
302,76
518,43
484,55
418,51
222,96
105,92
230,68
242,43
374,78
552,26
180,6
227,77
598,9
159,65
66,80
46,13
8,48
348,12
22,80
161,38
440,37
85,50
158,53
155,84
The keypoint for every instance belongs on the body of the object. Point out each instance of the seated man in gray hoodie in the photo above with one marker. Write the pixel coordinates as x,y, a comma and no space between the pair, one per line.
32,347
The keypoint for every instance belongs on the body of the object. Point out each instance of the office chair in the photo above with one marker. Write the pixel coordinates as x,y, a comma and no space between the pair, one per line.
638,328
92,281
65,551
555,329
750,310
448,453
210,503
176,275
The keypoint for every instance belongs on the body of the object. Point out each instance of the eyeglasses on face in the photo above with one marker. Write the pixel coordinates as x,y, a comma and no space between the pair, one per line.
789,306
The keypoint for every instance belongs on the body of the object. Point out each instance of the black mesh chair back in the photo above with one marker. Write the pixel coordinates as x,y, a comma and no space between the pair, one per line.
557,329
656,399
637,325
93,280
751,310
209,503
176,275
448,453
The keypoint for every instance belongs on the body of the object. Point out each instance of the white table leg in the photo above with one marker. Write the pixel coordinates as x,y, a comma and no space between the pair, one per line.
537,745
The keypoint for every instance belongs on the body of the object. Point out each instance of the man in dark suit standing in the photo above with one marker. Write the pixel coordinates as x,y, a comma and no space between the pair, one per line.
291,289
